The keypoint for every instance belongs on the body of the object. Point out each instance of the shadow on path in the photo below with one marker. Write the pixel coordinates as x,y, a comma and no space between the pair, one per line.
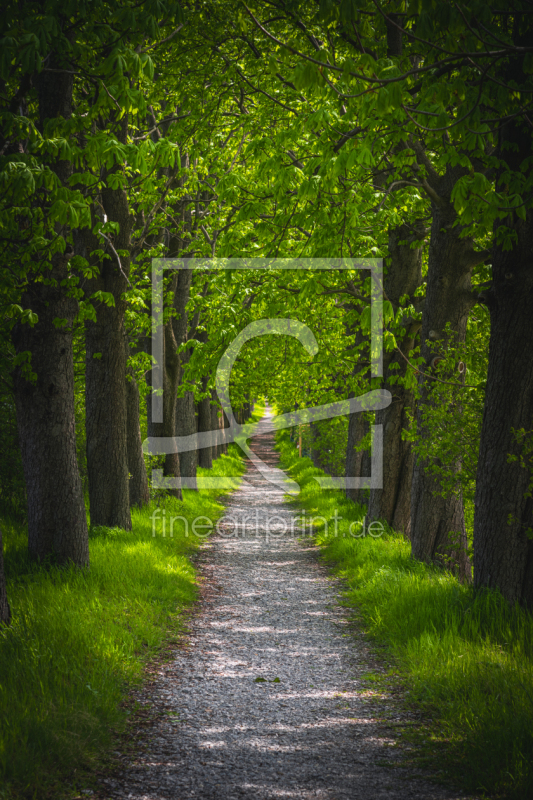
267,699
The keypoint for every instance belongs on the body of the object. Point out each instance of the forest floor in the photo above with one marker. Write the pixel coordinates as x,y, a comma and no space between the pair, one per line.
269,695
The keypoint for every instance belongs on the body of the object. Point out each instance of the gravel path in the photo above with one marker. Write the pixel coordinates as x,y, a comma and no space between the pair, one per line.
306,728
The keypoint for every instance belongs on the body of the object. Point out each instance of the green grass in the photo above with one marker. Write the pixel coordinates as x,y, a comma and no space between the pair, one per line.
79,639
466,657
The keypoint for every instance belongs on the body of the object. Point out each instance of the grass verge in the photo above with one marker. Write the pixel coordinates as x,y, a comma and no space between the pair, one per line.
466,657
79,639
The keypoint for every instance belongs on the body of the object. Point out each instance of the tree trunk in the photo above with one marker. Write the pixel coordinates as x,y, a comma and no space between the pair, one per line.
316,454
139,491
315,450
224,424
392,503
171,378
105,410
174,335
5,611
57,523
105,377
205,457
357,465
357,462
186,425
215,424
437,523
186,416
503,523
182,415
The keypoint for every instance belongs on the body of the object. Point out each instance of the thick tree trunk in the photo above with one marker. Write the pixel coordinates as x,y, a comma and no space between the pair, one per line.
225,425
174,334
139,491
392,503
186,419
187,425
171,380
105,377
215,424
357,461
5,611
317,455
167,427
205,456
315,450
503,524
105,410
57,523
437,523
181,413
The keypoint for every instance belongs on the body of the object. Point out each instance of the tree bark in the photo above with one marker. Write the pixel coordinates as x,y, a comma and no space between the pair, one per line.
503,522
316,453
315,450
171,379
205,456
186,417
57,523
105,381
105,409
392,503
225,425
437,523
357,461
171,369
5,611
215,424
175,411
139,491
187,425
105,376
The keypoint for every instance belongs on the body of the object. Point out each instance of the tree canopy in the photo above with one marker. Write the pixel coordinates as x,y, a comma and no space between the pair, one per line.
283,130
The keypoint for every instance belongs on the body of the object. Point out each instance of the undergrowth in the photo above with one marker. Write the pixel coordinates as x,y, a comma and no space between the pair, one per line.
466,656
80,638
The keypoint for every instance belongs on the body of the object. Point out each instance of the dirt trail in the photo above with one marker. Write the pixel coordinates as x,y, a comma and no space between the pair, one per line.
307,728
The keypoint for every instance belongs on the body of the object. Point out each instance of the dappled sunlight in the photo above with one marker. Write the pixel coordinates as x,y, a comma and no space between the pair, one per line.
79,637
269,696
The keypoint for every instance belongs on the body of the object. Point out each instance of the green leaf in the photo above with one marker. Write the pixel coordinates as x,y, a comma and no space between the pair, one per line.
104,297
29,317
364,320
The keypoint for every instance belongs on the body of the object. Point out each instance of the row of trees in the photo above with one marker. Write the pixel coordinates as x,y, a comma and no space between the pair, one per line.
280,130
